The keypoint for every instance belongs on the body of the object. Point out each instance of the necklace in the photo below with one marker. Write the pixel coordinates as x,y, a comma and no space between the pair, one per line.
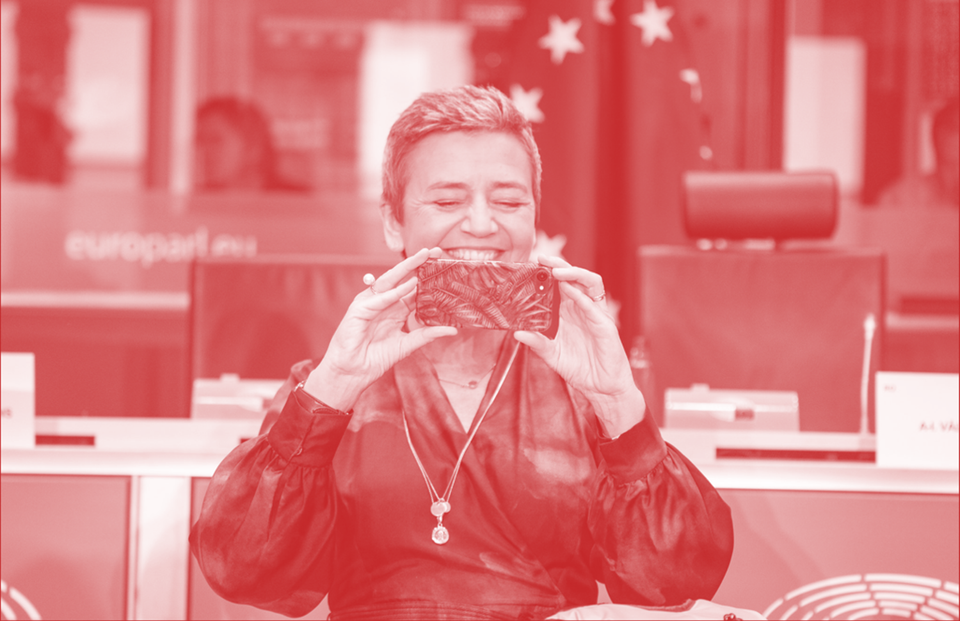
440,505
472,383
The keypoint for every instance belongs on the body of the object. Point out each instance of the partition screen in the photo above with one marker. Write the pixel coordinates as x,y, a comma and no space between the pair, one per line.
65,545
257,317
766,320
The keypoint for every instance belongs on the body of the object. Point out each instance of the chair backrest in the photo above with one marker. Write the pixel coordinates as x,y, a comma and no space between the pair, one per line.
745,320
257,317
773,319
760,205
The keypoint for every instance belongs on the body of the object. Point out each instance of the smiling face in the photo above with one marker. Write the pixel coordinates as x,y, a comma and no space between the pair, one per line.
468,193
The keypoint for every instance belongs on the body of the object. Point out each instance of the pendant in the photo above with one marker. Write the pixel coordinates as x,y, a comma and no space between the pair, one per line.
473,384
439,508
440,535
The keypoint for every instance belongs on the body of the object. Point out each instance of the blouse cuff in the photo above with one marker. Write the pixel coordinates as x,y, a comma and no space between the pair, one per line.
635,452
305,435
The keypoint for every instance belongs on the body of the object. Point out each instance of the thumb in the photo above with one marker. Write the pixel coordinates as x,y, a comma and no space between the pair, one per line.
541,345
416,339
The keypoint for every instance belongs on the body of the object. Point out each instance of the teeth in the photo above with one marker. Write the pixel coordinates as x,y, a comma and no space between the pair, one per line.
467,254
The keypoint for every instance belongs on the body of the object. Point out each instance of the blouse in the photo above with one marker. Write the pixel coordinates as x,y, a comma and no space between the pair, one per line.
543,506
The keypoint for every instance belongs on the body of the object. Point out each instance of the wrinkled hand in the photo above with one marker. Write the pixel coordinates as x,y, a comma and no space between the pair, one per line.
370,339
587,351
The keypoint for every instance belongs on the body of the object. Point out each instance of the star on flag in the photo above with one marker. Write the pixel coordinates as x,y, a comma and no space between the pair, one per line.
602,11
609,182
653,21
527,102
546,246
562,39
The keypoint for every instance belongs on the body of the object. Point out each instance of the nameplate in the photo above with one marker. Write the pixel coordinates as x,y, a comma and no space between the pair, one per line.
702,407
232,398
17,396
917,424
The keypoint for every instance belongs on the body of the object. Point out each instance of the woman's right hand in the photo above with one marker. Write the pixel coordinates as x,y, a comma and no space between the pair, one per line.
371,338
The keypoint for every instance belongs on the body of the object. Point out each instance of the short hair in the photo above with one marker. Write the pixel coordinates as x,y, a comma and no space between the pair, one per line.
465,108
249,122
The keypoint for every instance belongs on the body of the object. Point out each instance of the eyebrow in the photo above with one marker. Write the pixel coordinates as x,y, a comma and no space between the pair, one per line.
510,185
497,185
448,185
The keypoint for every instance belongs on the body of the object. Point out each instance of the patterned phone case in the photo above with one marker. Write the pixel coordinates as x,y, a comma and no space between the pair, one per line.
488,294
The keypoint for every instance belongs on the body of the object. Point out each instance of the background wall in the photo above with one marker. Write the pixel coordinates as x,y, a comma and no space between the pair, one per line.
101,218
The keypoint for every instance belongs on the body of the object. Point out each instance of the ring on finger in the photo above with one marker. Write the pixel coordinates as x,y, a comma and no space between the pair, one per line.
370,280
599,298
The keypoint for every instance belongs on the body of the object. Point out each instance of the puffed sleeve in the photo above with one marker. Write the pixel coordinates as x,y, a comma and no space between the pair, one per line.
662,533
265,535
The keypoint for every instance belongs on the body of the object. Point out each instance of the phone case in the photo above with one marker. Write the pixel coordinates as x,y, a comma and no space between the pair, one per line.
488,294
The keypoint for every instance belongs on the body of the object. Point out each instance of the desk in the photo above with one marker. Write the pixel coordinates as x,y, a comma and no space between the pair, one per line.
800,523
796,523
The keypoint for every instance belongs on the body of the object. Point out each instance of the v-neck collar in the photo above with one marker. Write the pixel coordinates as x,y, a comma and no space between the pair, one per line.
425,400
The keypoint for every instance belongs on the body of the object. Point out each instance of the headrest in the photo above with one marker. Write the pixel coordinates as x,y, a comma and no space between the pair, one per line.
760,205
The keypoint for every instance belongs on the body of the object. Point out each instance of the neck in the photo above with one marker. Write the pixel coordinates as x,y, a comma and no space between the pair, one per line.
470,352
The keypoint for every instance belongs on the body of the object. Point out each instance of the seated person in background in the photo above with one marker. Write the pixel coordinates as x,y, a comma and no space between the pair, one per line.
942,186
441,472
235,149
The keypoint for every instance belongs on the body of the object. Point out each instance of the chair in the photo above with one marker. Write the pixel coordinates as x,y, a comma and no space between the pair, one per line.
256,317
777,316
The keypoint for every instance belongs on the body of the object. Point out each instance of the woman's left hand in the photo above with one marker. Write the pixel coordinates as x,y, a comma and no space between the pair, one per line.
587,351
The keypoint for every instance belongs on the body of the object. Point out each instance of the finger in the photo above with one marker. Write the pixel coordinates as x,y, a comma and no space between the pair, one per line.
552,261
585,278
591,282
410,300
400,272
592,288
385,299
416,339
541,345
593,310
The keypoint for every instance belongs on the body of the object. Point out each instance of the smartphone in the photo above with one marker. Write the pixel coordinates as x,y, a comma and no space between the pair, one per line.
488,294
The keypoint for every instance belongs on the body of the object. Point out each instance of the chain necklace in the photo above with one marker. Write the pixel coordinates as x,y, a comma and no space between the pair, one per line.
440,505
471,384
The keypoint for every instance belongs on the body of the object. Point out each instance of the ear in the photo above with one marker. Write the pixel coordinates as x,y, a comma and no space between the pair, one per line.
392,230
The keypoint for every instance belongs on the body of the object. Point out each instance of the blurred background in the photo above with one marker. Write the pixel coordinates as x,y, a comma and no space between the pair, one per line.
769,189
140,135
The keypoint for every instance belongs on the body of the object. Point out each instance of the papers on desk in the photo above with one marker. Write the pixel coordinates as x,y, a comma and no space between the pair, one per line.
17,390
702,407
917,424
230,397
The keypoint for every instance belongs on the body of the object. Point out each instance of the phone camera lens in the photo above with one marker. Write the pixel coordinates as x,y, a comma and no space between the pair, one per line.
542,275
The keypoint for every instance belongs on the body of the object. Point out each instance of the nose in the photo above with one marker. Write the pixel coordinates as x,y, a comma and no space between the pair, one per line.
480,220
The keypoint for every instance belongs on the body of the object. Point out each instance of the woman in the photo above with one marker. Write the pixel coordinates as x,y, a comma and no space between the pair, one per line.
435,472
235,150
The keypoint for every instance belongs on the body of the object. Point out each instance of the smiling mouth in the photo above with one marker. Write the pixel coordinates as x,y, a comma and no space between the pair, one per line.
472,254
